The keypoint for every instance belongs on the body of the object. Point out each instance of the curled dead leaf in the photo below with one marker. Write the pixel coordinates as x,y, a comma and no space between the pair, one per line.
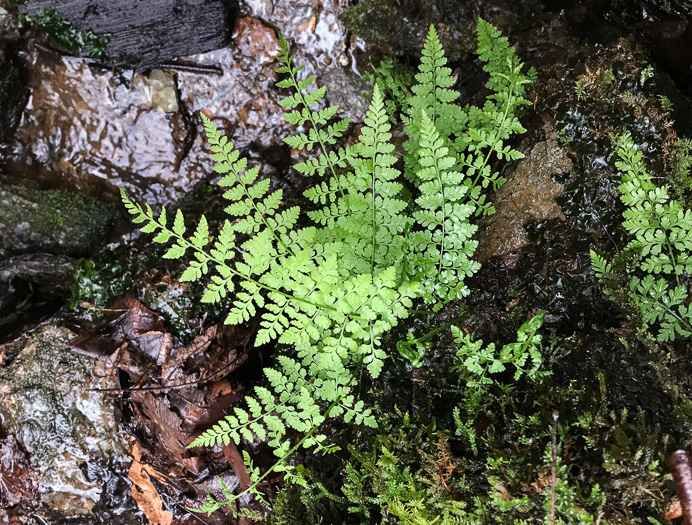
144,492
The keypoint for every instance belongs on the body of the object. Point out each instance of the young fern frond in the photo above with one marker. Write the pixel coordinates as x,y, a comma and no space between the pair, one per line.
368,218
660,226
320,132
432,95
489,127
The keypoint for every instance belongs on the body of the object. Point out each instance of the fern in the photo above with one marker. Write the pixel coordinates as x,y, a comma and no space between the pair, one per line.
367,216
524,355
448,157
662,239
394,82
473,134
443,247
330,291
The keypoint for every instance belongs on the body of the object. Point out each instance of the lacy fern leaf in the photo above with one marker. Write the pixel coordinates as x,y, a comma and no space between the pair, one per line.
443,247
662,239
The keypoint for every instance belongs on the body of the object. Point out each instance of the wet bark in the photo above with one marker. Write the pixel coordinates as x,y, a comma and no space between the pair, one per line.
149,32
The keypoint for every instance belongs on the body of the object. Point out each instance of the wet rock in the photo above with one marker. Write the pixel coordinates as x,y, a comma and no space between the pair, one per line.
528,195
50,404
99,130
319,38
256,40
260,8
51,221
242,100
95,130
346,90
160,88
52,271
151,32
9,24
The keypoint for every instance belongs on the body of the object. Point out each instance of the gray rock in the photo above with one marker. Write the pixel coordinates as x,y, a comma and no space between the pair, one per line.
51,406
346,89
9,25
52,271
51,221
98,130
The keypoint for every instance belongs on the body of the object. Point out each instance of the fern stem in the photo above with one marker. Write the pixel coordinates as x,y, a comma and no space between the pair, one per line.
444,219
497,136
439,329
374,214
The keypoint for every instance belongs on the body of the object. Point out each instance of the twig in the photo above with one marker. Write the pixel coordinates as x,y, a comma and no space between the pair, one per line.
681,465
212,377
553,476
193,68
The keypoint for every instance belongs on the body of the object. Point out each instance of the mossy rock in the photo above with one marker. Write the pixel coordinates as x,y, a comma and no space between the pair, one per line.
400,28
51,221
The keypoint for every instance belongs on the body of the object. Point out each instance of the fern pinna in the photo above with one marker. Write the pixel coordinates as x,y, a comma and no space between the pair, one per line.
328,292
662,241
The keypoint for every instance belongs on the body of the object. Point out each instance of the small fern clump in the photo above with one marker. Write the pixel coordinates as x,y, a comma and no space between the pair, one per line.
329,291
662,243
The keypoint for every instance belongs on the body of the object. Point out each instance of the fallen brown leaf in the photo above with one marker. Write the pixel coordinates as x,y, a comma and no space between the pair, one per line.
674,511
144,492
199,344
18,484
232,455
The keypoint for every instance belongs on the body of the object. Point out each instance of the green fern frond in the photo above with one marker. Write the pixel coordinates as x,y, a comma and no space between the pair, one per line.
443,246
662,237
368,217
432,95
320,132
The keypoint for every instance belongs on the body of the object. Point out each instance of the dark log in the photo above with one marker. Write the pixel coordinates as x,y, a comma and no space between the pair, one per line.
148,32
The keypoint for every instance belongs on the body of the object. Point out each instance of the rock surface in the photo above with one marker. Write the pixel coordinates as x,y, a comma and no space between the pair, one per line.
528,195
18,484
52,221
50,404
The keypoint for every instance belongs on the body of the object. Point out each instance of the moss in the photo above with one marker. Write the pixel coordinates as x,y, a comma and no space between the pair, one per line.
379,23
681,176
367,20
68,35
98,282
52,221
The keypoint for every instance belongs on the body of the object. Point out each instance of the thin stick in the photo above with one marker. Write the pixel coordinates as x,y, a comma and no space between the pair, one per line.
681,465
553,477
